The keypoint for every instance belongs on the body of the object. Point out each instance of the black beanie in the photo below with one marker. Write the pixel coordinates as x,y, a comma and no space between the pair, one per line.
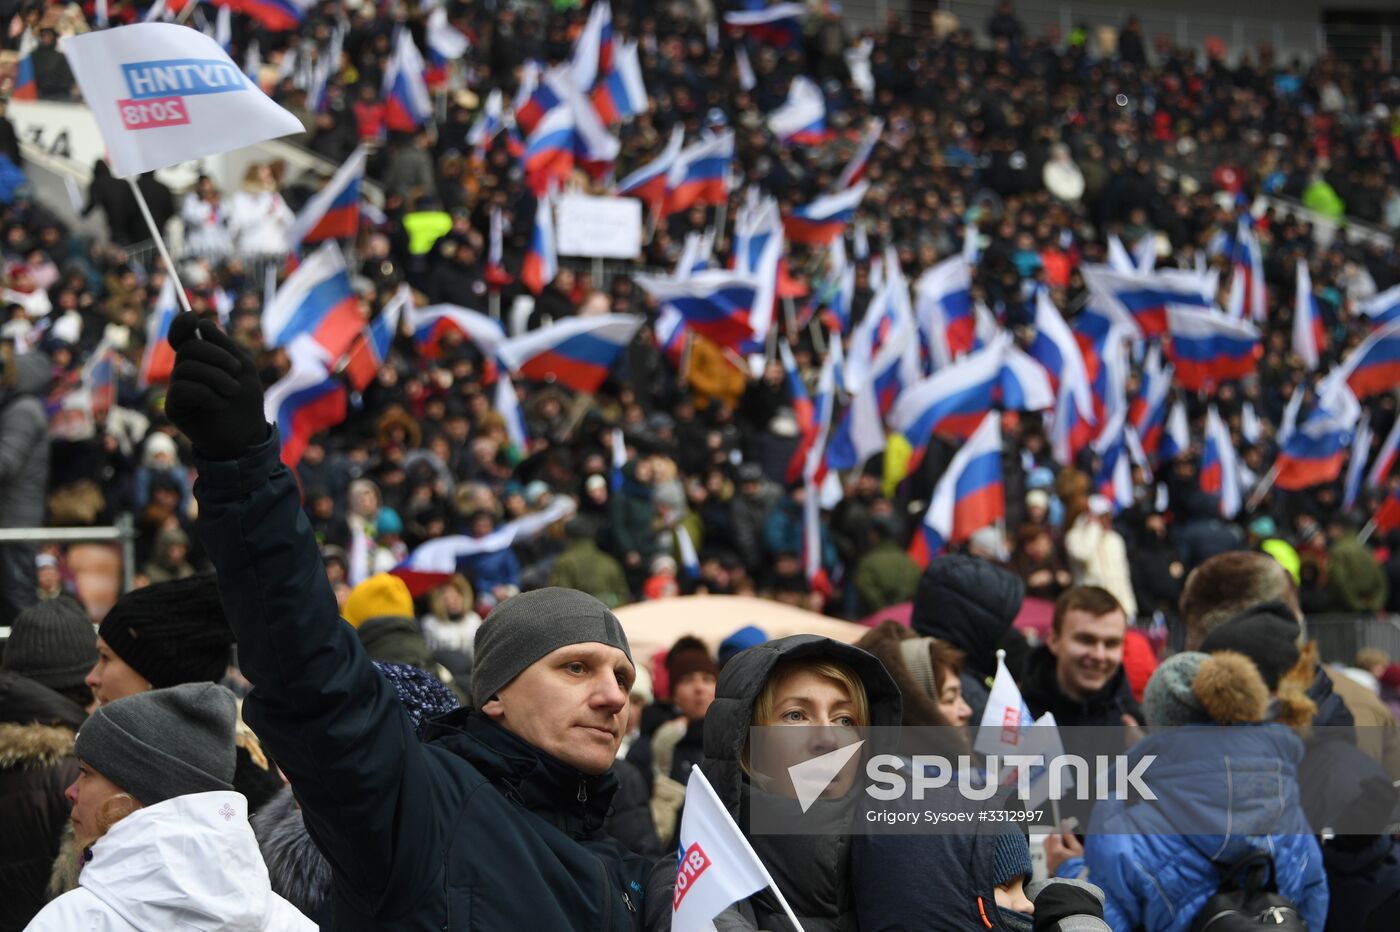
172,632
1266,633
52,643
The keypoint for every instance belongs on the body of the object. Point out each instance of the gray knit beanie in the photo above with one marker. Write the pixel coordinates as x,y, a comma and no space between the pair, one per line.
164,743
53,643
1169,698
524,628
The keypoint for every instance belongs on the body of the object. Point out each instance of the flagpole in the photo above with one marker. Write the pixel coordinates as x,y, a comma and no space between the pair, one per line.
782,901
493,304
818,340
1367,531
160,241
1263,488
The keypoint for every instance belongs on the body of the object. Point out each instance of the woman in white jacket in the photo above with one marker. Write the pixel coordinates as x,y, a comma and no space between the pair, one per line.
206,219
258,217
165,841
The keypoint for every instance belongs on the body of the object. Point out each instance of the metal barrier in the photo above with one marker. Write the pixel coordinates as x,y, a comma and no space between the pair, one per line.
1340,636
123,532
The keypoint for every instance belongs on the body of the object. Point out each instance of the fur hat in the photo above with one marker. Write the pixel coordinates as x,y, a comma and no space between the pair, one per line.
1194,688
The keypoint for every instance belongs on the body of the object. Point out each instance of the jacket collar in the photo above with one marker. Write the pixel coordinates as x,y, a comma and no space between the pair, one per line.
575,802
1041,687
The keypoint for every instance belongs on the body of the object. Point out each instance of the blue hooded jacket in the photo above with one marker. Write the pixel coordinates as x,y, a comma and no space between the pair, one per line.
1156,879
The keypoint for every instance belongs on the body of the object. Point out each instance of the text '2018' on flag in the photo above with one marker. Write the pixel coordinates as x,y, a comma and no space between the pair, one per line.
163,94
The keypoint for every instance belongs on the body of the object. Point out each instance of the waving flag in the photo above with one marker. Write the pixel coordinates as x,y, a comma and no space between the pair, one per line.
1220,473
159,356
489,122
25,86
1373,368
943,297
802,409
860,434
407,103
576,353
1176,439
648,183
1114,478
446,44
1383,308
778,26
1005,718
595,149
1209,348
273,15
884,349
1385,459
1055,348
1247,289
434,563
1118,258
593,52
163,94
1313,453
968,497
758,252
1356,465
549,150
1145,297
718,305
1148,414
954,400
318,300
700,174
1309,335
826,218
370,351
621,94
831,378
305,401
855,168
541,263
802,117
334,211
430,324
1023,384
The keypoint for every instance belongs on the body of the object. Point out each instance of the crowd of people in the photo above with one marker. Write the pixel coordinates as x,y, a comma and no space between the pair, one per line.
1036,149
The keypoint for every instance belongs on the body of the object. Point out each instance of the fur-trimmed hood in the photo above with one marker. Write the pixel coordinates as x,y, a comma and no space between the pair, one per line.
298,871
33,745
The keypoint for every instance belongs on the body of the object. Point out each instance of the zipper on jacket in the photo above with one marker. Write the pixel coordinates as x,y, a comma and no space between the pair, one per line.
582,791
628,900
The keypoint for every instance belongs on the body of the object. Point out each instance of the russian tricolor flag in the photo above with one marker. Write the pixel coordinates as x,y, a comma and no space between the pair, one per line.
1209,348
593,51
541,260
802,408
159,356
576,353
26,87
1314,452
1383,308
648,183
274,15
1145,297
334,211
1148,412
1385,459
407,102
1219,473
430,324
778,26
954,400
316,300
370,351
855,168
802,117
831,378
305,401
700,174
1247,289
1356,465
549,151
968,497
621,94
1309,335
490,121
717,304
826,218
943,302
1373,368
1055,348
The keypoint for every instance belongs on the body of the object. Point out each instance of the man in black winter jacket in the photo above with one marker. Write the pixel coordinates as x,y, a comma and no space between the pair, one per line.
495,819
1078,673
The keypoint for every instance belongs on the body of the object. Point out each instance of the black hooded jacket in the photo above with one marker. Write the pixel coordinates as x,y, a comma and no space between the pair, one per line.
811,870
1040,687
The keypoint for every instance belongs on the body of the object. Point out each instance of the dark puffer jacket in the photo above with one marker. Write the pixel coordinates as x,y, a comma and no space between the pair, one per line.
1040,687
811,870
971,604
472,828
36,765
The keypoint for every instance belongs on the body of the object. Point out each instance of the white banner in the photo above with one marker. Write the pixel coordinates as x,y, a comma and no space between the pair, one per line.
599,227
163,94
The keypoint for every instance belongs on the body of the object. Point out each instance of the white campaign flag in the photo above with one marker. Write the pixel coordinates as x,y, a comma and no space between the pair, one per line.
164,94
717,867
1005,719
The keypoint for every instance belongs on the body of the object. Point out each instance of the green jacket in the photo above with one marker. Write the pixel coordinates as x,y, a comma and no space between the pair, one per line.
886,576
584,567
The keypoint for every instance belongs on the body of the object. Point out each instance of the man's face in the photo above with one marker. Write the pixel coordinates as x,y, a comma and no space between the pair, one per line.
693,694
571,704
111,679
1088,650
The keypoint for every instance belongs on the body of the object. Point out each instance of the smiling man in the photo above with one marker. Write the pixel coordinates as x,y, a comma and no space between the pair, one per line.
495,819
1078,672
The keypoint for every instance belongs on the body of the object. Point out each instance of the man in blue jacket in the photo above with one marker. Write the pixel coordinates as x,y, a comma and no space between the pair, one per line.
495,820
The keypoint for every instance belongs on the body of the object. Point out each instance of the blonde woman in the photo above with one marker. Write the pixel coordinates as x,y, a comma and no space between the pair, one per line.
259,220
163,838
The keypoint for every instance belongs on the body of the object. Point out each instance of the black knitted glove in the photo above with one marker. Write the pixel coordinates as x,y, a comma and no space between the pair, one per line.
214,397
1063,905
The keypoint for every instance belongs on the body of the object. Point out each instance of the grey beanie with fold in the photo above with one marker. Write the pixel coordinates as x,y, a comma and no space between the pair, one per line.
164,743
524,628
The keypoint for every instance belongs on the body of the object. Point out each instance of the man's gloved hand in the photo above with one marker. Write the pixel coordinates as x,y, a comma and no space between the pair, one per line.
1064,905
214,397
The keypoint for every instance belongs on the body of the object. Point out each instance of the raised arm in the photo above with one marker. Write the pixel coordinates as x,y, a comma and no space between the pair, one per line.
331,721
